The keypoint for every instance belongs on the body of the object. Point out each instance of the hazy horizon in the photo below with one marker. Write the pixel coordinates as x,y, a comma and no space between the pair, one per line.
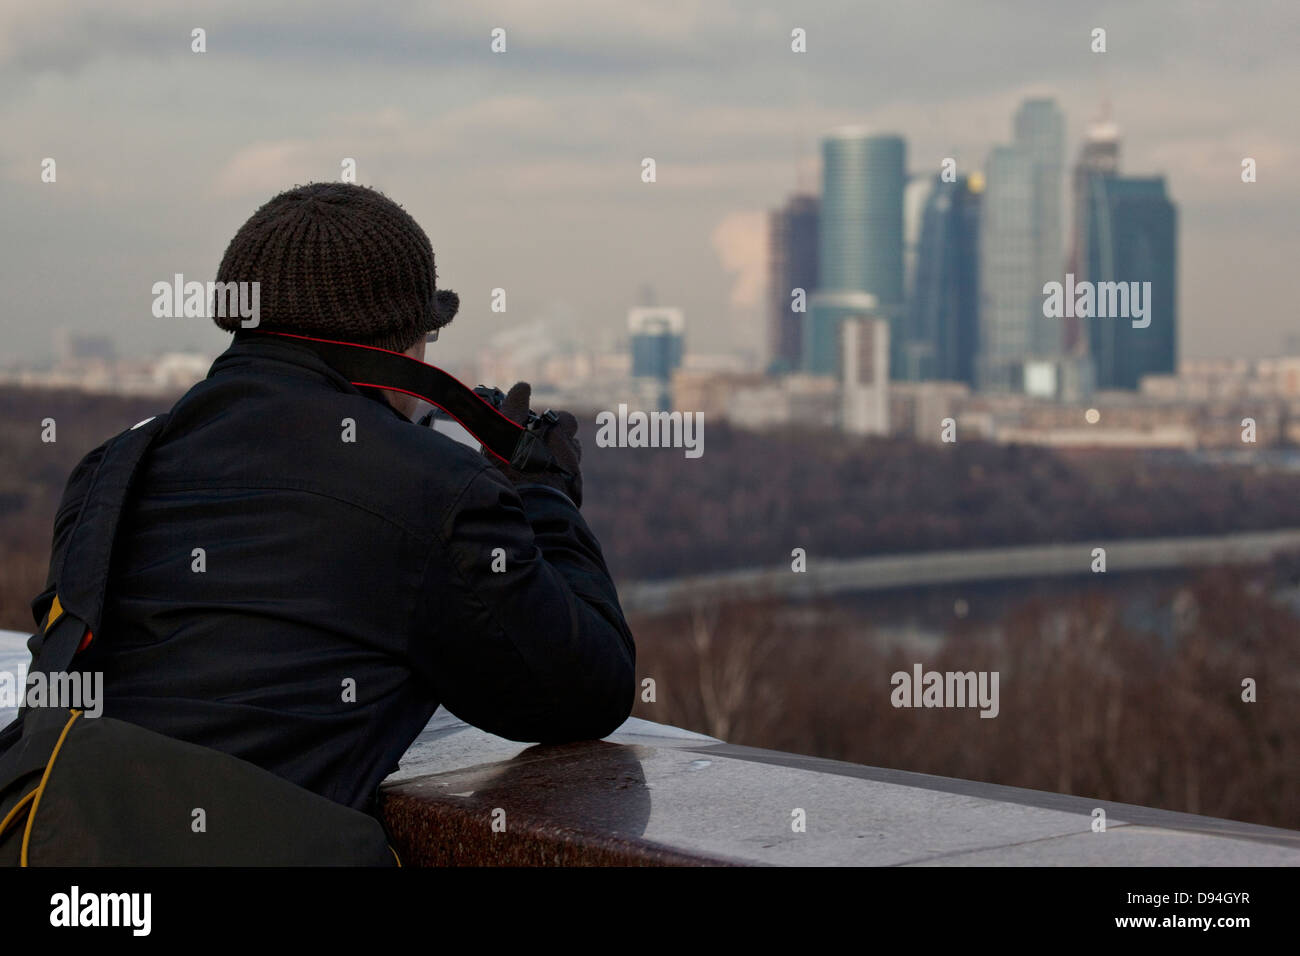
524,166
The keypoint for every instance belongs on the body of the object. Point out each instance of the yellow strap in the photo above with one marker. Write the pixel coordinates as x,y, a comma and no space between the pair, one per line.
56,612
18,808
390,850
45,778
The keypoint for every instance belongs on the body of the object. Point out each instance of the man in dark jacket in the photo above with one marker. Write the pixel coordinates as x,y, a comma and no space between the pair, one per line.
305,574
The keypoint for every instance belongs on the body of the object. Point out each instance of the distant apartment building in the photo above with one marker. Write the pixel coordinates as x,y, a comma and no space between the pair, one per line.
864,376
1226,379
917,410
657,343
711,391
791,265
807,400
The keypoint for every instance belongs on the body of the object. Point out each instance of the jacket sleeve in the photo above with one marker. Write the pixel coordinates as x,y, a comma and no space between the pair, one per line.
528,639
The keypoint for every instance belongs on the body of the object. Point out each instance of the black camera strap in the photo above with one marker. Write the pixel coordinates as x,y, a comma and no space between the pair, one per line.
365,366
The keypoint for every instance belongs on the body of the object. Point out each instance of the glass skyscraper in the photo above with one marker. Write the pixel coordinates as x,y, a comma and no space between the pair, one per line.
1020,247
1132,236
1099,156
860,257
943,314
792,264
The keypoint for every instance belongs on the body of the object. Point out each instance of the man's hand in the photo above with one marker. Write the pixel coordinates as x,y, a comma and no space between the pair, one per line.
561,439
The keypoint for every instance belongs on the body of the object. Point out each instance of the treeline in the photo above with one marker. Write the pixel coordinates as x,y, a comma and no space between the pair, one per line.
751,498
1087,704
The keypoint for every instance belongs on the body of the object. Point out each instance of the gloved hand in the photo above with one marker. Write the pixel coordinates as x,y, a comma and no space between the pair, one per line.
561,439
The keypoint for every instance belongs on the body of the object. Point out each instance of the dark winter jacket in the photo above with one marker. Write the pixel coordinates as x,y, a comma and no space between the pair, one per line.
305,602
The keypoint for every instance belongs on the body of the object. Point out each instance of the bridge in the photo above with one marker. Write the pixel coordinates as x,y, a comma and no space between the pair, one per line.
828,576
651,794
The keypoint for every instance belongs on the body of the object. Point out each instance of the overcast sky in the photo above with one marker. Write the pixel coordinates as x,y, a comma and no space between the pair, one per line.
524,167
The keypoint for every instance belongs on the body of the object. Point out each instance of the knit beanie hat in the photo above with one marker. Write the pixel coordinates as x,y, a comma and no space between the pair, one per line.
339,261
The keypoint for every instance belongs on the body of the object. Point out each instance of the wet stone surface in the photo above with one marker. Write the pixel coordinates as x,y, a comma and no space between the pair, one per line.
657,795
651,794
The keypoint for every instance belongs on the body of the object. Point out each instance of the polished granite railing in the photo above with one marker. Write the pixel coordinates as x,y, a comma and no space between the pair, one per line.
656,795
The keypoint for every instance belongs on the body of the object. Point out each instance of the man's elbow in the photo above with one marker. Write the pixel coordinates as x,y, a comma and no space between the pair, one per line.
617,710
596,712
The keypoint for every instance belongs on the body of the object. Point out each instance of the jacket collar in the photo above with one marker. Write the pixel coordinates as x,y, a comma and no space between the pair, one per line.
253,350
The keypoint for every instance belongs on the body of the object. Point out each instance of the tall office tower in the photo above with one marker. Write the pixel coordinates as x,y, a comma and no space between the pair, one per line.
916,196
1020,248
1008,297
860,258
943,309
657,340
791,264
864,376
1099,156
1132,237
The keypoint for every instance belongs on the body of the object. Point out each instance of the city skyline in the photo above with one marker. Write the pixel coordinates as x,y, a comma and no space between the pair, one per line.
525,168
959,267
965,308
